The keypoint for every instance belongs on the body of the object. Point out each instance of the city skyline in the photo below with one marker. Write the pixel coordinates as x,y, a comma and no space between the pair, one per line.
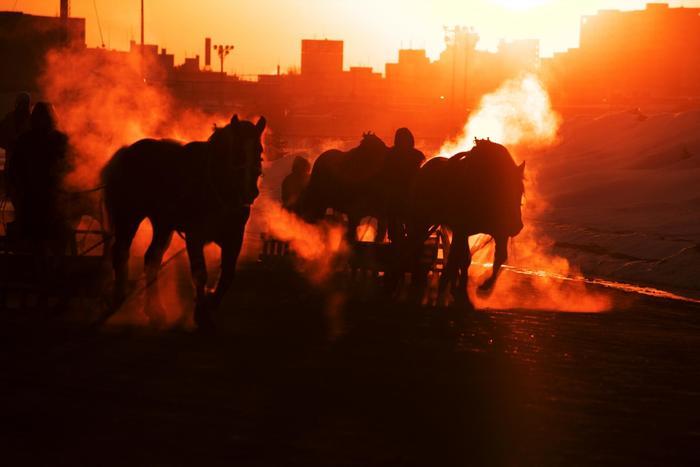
373,36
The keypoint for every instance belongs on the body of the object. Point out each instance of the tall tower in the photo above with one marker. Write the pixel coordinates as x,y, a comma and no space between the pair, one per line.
65,13
65,9
207,53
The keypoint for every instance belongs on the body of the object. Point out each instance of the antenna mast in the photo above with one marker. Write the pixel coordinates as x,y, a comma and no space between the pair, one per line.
142,24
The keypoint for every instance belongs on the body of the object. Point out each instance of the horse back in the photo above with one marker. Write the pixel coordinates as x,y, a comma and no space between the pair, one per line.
150,174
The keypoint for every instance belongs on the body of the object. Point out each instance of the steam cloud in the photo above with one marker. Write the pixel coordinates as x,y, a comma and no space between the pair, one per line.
519,115
319,248
103,103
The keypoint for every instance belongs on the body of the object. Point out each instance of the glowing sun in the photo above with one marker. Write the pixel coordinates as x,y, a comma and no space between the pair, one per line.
520,4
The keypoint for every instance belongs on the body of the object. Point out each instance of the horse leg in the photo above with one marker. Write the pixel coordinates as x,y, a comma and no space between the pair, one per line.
353,223
500,257
460,290
153,258
154,254
417,234
455,259
124,231
382,228
198,266
396,230
230,251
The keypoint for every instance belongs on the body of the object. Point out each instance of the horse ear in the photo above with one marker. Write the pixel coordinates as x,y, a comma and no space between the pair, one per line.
234,119
521,167
261,124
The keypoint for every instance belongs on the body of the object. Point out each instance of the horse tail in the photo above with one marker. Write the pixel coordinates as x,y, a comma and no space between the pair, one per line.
106,218
111,178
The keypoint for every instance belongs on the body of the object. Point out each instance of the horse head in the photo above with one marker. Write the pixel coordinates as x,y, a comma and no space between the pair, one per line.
238,152
372,142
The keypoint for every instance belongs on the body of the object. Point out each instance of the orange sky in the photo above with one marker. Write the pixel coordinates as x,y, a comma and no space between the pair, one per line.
268,32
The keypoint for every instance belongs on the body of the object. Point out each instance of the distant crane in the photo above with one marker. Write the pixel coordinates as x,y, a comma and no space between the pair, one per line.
99,26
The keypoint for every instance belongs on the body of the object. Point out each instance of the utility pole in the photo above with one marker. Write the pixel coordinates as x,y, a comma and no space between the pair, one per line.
223,51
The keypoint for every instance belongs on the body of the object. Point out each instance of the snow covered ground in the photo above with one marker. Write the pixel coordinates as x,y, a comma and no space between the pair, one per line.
623,195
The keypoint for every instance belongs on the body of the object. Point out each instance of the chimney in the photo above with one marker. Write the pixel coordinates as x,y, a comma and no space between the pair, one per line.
207,53
65,9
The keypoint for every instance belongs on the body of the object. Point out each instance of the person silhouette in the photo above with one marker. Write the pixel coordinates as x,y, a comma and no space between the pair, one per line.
401,167
35,173
404,149
295,183
12,126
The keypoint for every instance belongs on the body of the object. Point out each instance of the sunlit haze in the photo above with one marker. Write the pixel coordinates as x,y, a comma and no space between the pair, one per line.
268,32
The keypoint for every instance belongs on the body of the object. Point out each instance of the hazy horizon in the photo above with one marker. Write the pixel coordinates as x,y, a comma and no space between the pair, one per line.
372,31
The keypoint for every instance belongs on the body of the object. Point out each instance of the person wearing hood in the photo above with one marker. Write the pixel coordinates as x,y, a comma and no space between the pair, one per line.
403,162
35,175
12,126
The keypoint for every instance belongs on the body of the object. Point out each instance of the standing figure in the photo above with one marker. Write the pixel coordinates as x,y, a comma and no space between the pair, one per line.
402,165
35,173
295,183
12,126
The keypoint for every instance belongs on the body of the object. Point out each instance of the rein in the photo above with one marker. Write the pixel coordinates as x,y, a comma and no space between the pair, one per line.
82,192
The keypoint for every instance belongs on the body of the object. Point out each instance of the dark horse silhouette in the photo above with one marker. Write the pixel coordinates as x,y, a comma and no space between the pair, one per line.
202,189
479,191
348,182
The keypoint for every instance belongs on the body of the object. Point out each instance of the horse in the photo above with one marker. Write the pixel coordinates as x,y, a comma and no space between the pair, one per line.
348,182
203,190
474,192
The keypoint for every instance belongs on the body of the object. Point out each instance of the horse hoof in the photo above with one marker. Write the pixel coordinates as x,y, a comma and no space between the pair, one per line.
462,301
118,298
202,317
484,292
157,317
204,323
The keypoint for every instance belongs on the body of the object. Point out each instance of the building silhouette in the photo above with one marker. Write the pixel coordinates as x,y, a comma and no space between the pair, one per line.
25,41
321,59
635,57
625,58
